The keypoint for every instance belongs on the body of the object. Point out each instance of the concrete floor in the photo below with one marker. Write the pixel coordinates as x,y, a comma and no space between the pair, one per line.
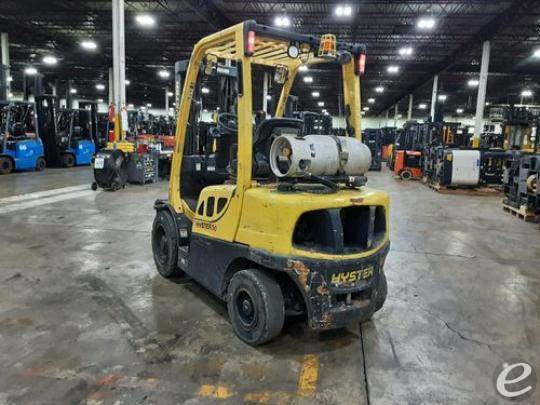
84,317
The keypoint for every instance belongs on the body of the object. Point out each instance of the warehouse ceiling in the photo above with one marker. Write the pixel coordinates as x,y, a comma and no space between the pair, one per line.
453,47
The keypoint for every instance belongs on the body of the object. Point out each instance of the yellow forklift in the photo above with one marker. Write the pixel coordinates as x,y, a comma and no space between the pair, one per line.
273,221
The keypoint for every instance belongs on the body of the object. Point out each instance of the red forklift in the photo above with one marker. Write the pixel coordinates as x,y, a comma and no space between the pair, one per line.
407,152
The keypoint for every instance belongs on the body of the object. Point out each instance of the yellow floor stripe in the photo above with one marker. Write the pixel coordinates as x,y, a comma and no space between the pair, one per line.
309,374
215,391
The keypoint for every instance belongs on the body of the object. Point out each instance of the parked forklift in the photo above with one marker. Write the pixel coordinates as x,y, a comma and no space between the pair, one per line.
75,137
271,220
69,135
20,146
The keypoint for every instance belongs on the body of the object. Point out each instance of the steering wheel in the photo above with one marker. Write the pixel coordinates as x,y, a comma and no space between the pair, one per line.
227,122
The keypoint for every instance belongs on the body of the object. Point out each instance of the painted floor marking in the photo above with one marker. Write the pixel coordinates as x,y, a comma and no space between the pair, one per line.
47,200
45,193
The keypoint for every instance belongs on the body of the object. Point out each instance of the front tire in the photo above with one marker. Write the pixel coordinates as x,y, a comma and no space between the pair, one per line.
406,175
165,245
40,164
6,165
256,306
68,160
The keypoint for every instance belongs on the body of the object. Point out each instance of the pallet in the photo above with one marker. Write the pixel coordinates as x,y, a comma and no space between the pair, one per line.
479,191
522,213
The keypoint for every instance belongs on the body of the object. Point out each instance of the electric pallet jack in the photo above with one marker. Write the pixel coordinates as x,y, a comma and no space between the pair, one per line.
289,223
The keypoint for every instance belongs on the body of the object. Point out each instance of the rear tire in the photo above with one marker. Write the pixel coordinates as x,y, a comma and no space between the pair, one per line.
165,245
94,186
256,306
406,175
382,291
40,164
68,160
6,165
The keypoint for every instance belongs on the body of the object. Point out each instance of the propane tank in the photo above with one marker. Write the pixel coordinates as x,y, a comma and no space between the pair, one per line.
318,155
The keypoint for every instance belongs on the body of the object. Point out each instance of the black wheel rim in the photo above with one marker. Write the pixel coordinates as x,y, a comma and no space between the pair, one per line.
162,245
245,308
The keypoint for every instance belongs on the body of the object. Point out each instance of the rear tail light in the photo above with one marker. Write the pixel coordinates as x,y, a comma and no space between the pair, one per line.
250,43
360,64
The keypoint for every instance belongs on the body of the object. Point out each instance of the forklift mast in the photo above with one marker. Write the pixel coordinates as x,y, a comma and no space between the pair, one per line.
46,112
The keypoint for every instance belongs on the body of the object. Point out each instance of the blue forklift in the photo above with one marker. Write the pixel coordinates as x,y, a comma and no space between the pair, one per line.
20,146
75,136
68,134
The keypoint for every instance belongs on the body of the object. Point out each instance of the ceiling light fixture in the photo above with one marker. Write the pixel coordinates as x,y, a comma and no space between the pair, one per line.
127,82
366,108
205,90
379,89
536,53
303,68
459,110
164,74
472,83
320,103
30,70
406,51
73,91
315,94
50,60
426,23
308,79
282,21
100,86
343,10
89,45
145,20
526,93
392,69
422,106
170,94
371,100
442,97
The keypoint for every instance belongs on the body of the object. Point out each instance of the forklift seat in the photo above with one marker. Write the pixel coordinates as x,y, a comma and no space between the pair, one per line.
77,133
18,131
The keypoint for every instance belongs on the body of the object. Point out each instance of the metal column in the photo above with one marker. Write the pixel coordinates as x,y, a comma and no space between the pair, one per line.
481,98
119,65
265,92
434,96
4,44
111,86
396,111
387,114
69,97
167,102
409,112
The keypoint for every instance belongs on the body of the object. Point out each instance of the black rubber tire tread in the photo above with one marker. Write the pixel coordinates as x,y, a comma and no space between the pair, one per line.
382,292
269,303
406,175
6,165
168,268
68,160
40,164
